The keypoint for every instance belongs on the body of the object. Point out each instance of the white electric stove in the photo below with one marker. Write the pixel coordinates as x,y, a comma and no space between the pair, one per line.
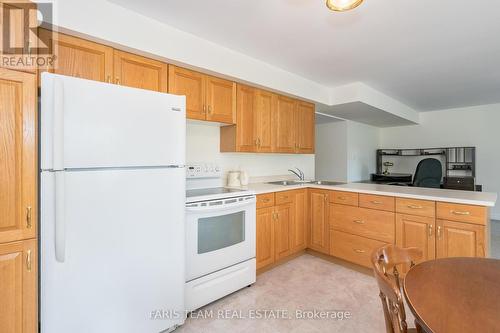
220,237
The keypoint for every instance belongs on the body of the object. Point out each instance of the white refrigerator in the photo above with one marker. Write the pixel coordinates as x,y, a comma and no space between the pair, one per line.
112,208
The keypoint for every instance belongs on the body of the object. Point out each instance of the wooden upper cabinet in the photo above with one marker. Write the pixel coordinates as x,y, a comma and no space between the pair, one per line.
319,238
220,100
18,287
135,71
80,58
305,122
456,239
182,81
245,119
18,151
265,236
207,97
283,134
264,120
419,232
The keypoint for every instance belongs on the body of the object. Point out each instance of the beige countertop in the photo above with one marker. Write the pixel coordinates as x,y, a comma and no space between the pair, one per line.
462,197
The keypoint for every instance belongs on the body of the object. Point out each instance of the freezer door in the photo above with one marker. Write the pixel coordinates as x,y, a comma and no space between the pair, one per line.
121,268
90,124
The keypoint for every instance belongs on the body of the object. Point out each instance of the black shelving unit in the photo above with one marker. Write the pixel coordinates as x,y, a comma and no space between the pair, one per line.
459,162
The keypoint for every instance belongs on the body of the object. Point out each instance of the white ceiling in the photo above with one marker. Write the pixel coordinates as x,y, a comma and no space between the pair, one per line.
427,54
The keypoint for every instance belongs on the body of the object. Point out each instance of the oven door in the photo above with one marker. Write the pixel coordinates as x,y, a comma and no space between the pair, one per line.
219,234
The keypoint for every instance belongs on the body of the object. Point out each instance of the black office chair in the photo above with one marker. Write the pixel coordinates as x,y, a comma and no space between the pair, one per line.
428,174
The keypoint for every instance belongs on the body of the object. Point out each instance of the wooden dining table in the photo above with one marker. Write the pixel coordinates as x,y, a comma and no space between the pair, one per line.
455,295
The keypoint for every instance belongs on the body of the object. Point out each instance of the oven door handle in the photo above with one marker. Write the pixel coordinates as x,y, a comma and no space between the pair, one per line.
238,204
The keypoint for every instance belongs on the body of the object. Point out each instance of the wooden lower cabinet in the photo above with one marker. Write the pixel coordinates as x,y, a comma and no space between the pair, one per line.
282,230
319,236
353,248
419,232
265,236
281,225
291,221
298,225
18,282
457,239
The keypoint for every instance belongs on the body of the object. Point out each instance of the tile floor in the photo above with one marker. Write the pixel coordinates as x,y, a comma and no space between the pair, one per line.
305,283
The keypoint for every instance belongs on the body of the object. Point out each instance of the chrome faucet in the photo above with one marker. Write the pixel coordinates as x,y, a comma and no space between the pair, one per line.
299,174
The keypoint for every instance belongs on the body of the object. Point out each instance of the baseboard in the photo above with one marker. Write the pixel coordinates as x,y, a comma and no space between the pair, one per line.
280,262
341,262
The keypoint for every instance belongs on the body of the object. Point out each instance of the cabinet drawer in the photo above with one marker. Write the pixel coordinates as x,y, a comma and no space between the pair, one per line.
283,197
462,213
265,200
344,198
353,248
379,202
364,222
416,207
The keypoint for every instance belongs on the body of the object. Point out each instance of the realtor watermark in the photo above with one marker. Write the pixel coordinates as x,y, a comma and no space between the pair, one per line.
23,46
253,314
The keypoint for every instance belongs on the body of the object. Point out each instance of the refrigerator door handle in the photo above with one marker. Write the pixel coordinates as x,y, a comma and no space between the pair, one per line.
60,224
58,126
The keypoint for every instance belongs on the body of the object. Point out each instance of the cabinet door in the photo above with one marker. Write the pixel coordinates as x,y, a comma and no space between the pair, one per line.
416,231
191,84
264,120
18,149
265,236
283,134
456,239
221,100
139,72
18,287
283,222
305,121
245,119
298,230
319,235
79,58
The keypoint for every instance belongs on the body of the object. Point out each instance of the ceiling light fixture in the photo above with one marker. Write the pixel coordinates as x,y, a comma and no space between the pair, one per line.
343,5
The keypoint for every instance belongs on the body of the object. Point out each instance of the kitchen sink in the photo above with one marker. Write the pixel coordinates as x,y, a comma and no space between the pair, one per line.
325,182
300,182
288,182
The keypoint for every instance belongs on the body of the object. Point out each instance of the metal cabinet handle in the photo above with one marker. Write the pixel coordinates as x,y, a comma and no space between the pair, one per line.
326,197
459,213
266,200
439,232
341,198
204,108
28,217
415,207
258,142
209,109
431,227
108,79
284,197
28,260
359,221
359,251
117,80
375,202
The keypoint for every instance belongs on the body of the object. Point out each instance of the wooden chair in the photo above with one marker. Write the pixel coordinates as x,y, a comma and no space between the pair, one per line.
385,261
